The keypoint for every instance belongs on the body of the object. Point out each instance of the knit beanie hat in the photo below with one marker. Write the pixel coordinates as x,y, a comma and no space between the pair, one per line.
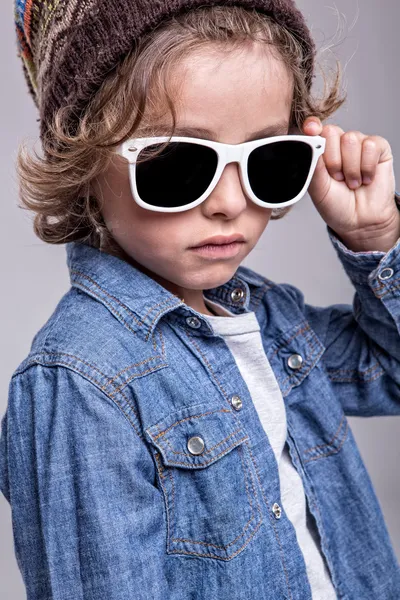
68,46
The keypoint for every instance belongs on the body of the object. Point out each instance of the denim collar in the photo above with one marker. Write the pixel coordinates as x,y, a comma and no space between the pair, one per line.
139,302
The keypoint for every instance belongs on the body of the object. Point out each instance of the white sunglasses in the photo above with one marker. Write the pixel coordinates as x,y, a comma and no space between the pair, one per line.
274,172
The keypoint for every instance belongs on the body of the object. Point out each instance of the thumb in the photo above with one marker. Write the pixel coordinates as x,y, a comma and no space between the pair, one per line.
320,182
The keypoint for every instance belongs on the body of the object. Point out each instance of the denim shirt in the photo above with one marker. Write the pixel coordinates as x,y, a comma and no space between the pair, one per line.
136,465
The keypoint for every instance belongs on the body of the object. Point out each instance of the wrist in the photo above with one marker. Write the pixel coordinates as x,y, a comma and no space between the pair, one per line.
375,239
372,241
370,245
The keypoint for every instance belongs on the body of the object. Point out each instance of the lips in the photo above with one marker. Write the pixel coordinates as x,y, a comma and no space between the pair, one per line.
219,240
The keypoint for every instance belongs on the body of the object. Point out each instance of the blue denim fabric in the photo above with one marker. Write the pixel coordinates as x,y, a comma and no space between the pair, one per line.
110,502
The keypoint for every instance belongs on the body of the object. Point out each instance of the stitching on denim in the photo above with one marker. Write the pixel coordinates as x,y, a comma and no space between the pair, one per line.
92,380
210,412
323,537
247,474
272,522
335,451
166,302
311,500
313,345
151,370
188,455
151,358
140,323
304,374
339,376
160,470
236,443
358,375
246,526
45,352
125,383
332,440
139,364
225,395
204,554
112,308
388,291
177,304
254,463
306,328
258,295
168,499
109,381
376,365
390,281
267,283
252,293
188,333
155,341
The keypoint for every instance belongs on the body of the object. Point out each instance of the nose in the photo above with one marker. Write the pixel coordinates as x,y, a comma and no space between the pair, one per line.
228,196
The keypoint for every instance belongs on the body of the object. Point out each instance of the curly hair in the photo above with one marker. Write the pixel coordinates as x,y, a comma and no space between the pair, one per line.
57,185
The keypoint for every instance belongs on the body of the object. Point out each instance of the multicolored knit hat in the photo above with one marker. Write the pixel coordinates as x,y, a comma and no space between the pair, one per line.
68,46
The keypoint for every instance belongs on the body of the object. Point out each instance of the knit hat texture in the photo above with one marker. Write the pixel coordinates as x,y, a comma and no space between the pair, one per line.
67,47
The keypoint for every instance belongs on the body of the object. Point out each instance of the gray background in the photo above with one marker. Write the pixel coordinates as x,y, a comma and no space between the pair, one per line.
362,34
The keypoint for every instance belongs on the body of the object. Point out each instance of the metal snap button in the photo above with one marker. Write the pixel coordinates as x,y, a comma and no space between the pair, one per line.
237,295
193,322
276,509
236,402
195,445
295,361
386,274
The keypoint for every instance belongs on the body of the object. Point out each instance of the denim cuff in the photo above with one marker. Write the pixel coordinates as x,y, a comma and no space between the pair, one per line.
377,270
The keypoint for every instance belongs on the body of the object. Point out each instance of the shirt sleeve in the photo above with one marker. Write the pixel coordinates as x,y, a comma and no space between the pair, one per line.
87,517
362,340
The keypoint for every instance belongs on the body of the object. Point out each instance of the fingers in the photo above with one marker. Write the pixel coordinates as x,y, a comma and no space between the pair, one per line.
349,156
312,126
351,150
369,160
333,152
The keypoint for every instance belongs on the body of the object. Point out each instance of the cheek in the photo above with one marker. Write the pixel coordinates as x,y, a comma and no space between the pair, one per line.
261,218
117,203
146,234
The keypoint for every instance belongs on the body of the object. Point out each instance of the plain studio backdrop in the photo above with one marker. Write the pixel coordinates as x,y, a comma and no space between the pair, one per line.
362,35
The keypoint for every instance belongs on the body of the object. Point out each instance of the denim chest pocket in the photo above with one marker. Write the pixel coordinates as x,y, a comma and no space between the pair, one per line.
318,419
315,416
204,467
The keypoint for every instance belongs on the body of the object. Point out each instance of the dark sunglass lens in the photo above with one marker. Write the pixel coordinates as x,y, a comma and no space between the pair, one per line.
278,171
177,176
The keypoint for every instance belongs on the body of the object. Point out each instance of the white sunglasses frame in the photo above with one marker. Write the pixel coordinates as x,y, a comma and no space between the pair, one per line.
226,153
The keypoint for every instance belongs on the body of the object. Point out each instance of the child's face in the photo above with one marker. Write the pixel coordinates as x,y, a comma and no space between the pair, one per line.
232,96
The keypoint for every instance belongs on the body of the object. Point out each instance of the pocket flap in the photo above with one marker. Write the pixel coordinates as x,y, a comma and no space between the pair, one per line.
218,428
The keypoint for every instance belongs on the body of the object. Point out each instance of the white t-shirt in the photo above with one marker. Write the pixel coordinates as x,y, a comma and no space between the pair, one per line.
243,337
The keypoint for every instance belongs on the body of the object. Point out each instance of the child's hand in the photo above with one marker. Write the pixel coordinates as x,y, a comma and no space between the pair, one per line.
363,214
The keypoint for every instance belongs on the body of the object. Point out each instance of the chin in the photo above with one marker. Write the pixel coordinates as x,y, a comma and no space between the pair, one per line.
221,274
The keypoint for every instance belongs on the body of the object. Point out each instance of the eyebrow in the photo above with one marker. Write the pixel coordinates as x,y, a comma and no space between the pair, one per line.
280,128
